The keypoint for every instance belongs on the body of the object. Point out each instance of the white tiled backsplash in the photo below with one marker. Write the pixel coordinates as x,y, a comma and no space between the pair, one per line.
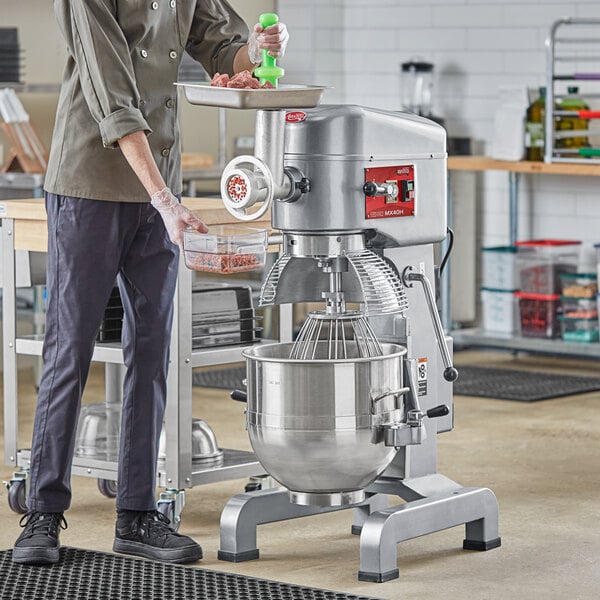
357,46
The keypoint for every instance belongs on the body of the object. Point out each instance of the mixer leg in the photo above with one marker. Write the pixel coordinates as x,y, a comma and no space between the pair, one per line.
244,512
362,513
383,530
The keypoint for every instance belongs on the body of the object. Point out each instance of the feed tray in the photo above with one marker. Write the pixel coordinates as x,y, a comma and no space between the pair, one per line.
282,97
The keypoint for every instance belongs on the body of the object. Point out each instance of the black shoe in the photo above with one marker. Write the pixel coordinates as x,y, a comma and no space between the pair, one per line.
149,535
38,543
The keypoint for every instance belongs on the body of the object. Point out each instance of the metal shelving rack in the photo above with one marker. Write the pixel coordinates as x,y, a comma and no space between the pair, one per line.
555,55
476,337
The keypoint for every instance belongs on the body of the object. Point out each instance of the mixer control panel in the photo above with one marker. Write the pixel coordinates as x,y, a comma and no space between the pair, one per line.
389,192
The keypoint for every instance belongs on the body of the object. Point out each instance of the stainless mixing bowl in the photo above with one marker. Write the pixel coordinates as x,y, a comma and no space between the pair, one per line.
313,423
205,449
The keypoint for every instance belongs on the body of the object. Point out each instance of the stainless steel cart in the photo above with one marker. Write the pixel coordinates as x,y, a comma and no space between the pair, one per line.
24,228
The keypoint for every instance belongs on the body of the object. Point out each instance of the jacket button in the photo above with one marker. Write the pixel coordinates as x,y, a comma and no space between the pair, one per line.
170,103
155,6
173,54
173,3
144,53
165,152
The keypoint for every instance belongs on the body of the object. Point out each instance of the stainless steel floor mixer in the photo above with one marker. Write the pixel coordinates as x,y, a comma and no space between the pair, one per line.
349,413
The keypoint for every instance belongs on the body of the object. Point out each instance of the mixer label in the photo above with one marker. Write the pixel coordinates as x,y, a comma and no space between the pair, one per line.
422,376
400,203
295,116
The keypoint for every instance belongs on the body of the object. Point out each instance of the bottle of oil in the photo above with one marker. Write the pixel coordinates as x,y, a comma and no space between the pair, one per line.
534,127
573,103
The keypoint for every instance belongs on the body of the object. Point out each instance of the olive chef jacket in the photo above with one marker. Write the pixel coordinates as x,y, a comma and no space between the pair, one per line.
123,58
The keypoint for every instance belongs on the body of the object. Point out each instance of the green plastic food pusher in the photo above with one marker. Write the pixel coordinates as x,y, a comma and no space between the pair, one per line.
268,71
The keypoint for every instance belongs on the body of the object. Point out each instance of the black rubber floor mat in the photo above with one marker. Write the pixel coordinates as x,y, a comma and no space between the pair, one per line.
229,378
87,575
523,386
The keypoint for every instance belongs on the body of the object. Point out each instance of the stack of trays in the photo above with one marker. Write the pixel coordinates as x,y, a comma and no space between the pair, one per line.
10,56
222,316
112,323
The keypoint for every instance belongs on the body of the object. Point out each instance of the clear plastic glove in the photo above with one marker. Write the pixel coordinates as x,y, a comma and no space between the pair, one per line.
175,216
273,38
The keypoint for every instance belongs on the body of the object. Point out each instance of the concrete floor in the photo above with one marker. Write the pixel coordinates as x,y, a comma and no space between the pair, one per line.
542,460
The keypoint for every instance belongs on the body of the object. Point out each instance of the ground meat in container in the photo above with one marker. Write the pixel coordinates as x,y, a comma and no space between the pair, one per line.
221,263
242,81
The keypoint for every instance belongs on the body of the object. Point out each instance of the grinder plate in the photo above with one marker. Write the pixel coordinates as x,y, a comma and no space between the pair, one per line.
285,96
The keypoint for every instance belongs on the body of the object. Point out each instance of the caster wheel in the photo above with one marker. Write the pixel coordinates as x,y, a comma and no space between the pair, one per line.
107,488
253,487
16,497
167,508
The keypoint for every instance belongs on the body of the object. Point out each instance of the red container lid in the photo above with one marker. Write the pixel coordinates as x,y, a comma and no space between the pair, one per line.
529,243
526,296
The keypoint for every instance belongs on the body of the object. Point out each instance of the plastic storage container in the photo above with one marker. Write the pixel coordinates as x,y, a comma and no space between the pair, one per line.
541,262
579,330
499,311
579,285
539,315
581,308
499,268
225,249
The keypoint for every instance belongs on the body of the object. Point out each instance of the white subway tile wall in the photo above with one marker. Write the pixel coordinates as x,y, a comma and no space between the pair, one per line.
357,46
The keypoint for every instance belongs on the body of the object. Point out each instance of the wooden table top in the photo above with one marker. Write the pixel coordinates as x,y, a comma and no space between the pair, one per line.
31,232
210,210
485,163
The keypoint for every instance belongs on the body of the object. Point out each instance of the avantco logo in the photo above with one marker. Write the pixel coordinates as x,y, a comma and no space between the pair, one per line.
296,116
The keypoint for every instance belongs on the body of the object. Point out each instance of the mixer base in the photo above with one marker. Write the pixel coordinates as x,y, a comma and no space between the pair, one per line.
434,503
244,512
476,508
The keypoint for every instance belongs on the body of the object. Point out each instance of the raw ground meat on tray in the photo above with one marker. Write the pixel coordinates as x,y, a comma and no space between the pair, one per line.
243,81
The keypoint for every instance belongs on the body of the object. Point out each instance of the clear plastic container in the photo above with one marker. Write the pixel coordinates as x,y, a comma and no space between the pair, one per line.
579,330
498,311
541,262
579,285
539,315
579,308
499,268
225,249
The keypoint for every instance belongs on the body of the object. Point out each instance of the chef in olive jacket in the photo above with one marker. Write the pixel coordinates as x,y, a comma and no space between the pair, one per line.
112,188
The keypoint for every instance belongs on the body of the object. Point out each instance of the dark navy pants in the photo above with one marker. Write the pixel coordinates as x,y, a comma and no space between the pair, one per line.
90,244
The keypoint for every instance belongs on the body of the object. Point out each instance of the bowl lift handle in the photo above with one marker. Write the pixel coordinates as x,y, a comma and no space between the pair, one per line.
408,278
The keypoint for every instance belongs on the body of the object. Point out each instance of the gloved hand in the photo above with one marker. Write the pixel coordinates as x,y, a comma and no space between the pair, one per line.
273,38
175,216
